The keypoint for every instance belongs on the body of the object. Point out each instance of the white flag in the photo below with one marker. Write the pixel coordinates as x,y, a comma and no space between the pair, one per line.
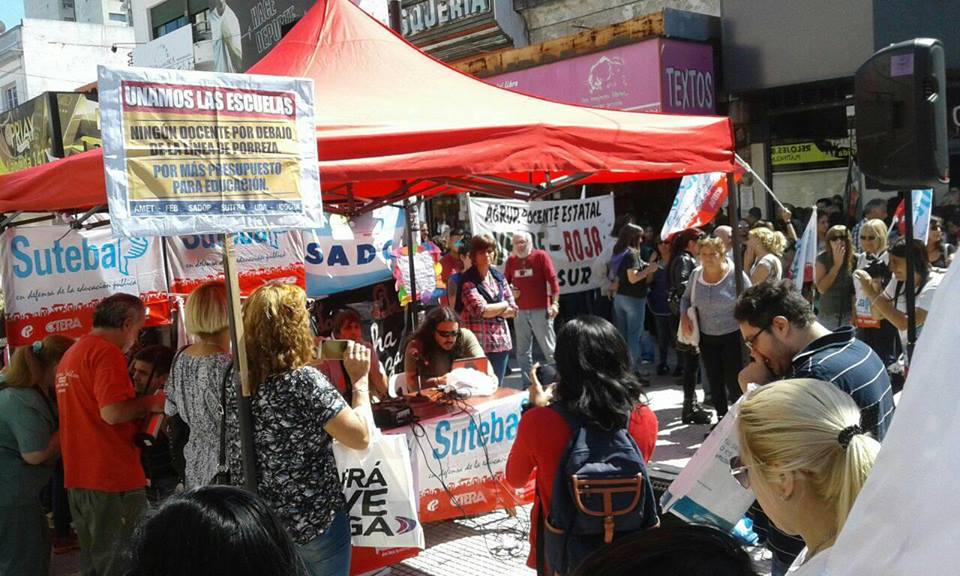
697,202
805,261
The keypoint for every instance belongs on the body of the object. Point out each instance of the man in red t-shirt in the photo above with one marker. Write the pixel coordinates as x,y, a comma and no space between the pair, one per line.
452,261
99,416
537,291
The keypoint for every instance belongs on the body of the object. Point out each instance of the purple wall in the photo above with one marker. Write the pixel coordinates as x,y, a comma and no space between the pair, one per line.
633,77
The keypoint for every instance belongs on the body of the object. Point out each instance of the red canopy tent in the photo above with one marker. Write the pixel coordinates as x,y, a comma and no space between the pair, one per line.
392,122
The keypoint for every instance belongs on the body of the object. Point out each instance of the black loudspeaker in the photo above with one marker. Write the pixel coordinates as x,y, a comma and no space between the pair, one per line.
901,106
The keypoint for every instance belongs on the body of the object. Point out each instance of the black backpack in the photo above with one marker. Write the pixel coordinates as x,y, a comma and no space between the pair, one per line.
601,492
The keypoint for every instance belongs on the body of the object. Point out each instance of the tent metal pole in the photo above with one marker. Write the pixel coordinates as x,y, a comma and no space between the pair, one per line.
906,196
237,339
733,200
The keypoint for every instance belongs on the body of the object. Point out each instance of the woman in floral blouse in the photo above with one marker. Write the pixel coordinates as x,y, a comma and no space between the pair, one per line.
297,414
485,303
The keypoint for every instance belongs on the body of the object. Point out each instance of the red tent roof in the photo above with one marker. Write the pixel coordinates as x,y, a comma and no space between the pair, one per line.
387,114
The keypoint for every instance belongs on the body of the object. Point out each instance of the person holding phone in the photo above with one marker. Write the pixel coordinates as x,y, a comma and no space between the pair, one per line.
347,328
630,303
297,414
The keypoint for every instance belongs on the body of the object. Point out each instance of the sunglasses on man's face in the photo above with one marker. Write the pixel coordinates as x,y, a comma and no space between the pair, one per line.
448,333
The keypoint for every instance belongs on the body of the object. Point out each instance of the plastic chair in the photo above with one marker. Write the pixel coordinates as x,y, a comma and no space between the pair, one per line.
397,385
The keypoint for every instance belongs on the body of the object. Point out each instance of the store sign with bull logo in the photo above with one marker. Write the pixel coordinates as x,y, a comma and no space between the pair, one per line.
573,232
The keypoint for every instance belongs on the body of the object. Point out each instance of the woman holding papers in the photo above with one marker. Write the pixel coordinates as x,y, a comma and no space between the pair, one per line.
805,456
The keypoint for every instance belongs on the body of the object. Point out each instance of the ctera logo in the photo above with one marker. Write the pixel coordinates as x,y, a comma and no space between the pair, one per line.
62,325
59,259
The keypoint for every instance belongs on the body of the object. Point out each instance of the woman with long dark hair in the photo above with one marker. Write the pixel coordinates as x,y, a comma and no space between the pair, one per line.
891,304
214,530
834,278
430,351
939,253
597,387
630,302
683,261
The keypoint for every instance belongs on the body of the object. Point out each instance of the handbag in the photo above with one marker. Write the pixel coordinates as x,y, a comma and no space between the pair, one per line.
693,338
222,477
378,484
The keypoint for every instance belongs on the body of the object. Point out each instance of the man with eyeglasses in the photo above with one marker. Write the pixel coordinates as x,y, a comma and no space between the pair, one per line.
786,341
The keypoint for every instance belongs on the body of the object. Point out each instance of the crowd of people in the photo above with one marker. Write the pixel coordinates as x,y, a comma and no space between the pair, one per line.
820,367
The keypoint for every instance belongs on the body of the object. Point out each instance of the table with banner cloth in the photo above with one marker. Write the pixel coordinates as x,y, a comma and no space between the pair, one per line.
458,452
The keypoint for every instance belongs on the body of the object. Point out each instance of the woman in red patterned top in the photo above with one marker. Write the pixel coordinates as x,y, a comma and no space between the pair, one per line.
595,384
484,304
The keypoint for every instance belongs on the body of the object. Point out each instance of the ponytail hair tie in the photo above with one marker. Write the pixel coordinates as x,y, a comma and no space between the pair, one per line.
847,434
37,346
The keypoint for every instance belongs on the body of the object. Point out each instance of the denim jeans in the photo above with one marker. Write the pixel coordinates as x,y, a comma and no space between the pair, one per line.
530,323
329,553
629,313
499,361
666,334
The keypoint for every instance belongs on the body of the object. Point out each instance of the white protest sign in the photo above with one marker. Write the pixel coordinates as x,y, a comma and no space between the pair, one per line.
54,276
573,232
197,152
261,257
345,254
705,492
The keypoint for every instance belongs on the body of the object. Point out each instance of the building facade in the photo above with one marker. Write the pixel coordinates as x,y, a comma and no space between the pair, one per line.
57,56
106,12
788,68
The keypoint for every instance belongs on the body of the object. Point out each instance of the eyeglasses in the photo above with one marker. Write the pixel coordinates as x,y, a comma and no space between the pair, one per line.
865,238
740,472
750,341
448,333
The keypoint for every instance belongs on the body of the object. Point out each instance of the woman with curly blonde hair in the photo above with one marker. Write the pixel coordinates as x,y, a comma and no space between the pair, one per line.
806,458
297,414
764,252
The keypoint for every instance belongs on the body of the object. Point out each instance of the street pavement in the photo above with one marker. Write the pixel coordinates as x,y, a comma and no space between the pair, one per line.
496,544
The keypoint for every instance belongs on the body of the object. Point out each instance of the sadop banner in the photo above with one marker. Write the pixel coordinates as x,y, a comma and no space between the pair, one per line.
261,257
199,153
697,202
351,253
54,276
466,453
572,232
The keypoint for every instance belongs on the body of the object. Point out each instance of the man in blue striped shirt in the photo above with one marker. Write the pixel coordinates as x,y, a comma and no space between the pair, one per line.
786,341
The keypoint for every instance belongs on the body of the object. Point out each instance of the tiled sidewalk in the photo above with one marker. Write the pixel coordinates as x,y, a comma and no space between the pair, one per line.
495,544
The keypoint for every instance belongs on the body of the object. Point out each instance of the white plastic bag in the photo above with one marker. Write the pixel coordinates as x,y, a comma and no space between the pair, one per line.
705,492
379,485
469,382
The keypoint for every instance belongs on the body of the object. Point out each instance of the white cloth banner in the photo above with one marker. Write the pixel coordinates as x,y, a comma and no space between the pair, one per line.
904,520
54,276
189,152
261,257
573,232
346,254
697,202
381,499
805,262
457,453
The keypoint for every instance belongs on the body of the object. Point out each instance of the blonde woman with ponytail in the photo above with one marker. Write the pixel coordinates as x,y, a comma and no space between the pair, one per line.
29,446
805,457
